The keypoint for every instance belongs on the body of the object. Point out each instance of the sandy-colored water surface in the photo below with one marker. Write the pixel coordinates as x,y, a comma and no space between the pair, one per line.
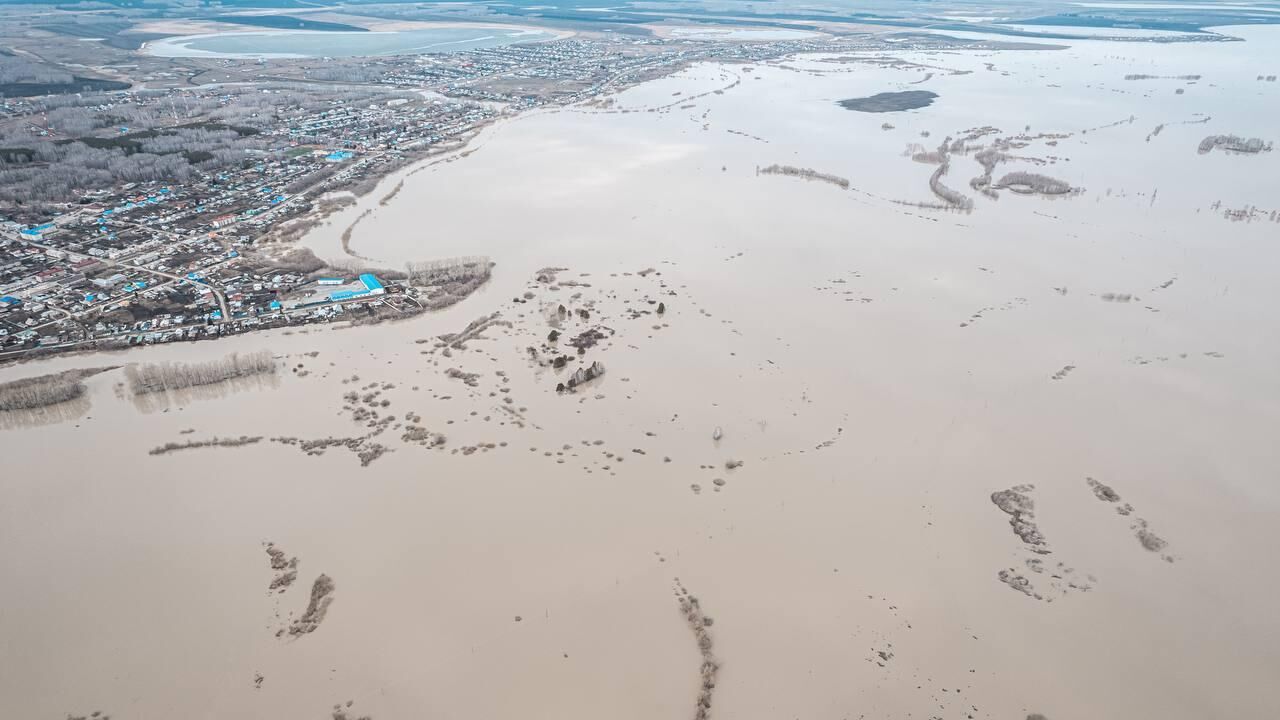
880,368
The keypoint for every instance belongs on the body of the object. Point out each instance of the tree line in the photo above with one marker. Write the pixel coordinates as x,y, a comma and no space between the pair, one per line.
163,377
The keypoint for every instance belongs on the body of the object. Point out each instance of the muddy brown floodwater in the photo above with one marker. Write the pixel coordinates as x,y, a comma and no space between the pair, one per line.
811,392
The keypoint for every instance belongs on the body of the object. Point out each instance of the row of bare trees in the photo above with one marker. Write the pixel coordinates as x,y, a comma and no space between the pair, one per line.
1034,182
450,280
1234,143
449,270
161,377
40,391
953,198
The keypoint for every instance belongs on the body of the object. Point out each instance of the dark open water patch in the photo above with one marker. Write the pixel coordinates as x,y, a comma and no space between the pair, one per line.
890,101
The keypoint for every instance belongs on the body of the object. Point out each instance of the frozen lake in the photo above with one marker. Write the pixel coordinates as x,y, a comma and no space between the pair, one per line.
300,44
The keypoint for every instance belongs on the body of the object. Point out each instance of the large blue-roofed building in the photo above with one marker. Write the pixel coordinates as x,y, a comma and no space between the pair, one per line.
371,284
338,295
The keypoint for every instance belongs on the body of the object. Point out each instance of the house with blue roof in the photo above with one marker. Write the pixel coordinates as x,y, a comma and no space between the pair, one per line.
35,232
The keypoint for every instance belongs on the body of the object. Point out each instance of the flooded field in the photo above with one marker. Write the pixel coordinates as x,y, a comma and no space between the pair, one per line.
768,405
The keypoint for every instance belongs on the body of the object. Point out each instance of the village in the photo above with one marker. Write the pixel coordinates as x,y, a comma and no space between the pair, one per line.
167,259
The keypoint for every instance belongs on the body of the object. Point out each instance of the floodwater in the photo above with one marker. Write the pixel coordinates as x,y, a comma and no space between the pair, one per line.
880,368
306,43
